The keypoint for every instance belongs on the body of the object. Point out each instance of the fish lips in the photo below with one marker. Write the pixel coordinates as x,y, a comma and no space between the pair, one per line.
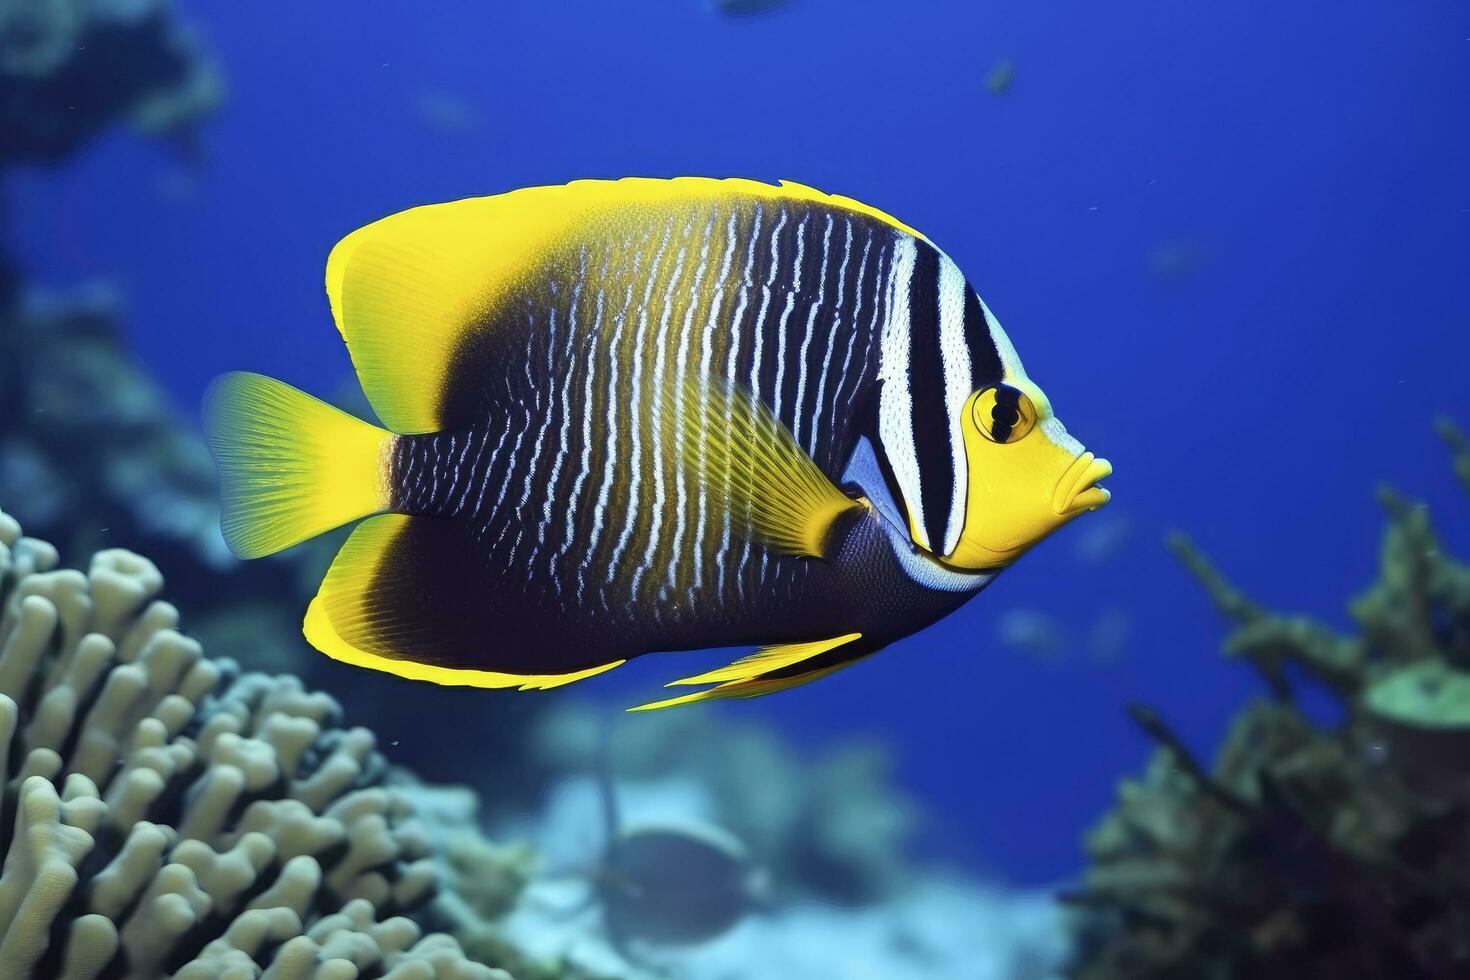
1077,491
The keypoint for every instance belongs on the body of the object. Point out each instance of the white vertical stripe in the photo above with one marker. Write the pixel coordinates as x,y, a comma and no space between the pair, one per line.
819,410
413,464
873,337
706,355
510,466
758,329
585,468
454,465
568,370
634,417
660,386
548,414
433,470
954,354
732,361
797,410
786,316
857,314
611,419
681,374
469,480
469,483
895,399
494,455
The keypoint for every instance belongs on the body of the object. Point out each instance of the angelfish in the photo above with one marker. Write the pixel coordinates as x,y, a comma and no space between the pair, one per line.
649,415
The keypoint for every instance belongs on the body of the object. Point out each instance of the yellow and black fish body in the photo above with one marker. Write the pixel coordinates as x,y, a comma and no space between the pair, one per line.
638,416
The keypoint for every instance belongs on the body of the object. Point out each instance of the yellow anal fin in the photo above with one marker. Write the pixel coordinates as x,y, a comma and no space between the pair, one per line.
743,679
744,689
767,659
376,609
750,464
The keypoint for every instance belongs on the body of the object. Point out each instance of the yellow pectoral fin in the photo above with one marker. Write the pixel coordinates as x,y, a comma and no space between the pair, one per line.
743,678
749,463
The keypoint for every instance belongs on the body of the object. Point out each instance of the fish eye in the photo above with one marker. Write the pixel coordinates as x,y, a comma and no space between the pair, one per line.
1003,414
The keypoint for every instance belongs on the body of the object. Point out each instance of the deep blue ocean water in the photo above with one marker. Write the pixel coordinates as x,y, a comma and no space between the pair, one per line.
1232,241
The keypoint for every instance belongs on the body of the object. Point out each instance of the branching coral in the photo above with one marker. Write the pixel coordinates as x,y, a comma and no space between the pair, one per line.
85,429
89,432
1308,851
166,814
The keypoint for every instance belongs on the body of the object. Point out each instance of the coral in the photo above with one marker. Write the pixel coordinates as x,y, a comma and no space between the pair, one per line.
1309,850
166,813
82,425
80,422
68,68
88,432
95,452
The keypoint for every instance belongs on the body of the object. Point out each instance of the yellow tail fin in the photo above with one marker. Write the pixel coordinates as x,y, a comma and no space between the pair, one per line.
290,466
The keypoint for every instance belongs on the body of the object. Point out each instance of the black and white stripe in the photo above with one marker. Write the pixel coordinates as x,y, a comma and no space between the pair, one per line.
938,348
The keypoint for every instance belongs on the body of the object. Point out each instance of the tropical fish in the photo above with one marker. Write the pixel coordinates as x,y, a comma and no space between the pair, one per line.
672,883
649,415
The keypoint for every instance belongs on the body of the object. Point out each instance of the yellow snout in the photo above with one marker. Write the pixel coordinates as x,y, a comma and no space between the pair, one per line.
1026,476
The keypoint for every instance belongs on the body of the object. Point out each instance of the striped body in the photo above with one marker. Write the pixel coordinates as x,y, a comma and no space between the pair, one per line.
620,417
843,325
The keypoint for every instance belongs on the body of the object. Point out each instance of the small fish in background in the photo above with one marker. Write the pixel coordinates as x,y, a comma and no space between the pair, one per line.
177,185
1032,632
664,883
649,415
1100,541
1110,634
674,886
446,112
1001,77
745,8
1174,261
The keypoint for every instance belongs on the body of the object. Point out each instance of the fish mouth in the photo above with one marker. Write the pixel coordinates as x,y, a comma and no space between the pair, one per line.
1077,491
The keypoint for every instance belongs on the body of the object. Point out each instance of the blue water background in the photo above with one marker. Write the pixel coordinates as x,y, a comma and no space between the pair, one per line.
1302,165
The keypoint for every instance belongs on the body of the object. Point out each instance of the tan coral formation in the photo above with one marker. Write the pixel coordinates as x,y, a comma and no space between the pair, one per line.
166,815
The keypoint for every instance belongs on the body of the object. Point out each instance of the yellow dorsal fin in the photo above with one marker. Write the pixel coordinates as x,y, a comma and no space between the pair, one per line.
750,464
409,290
767,659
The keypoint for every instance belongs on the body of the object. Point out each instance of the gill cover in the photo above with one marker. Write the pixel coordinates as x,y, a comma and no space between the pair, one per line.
1026,475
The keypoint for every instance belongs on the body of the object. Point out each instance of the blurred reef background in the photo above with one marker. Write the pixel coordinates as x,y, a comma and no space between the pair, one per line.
1313,847
189,790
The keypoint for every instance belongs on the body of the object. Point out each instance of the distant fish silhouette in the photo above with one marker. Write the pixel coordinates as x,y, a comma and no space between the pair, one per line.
743,8
1001,77
445,112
